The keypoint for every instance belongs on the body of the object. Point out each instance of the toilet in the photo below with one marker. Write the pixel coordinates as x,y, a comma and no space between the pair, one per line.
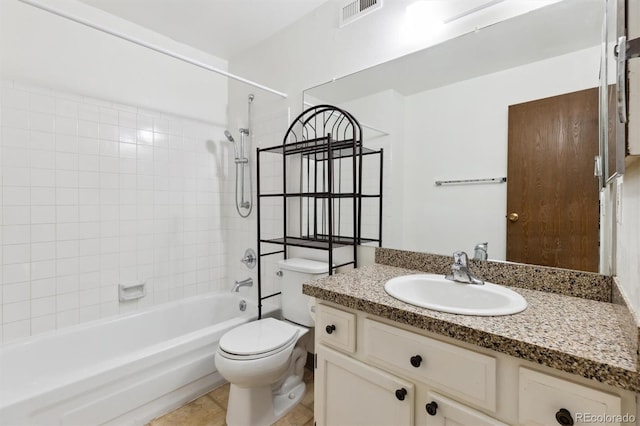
264,360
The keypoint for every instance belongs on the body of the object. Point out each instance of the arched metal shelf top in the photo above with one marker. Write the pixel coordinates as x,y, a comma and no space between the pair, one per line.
320,128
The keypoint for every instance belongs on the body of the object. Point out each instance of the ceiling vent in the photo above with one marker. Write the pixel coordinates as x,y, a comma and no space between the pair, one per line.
356,9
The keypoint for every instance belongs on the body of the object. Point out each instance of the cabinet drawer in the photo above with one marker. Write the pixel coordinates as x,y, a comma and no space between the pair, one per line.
336,328
443,411
460,372
542,396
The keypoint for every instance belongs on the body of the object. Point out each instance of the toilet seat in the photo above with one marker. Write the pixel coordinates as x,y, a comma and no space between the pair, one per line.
258,339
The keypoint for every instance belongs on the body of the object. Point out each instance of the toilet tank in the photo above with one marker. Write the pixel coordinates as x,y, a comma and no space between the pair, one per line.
295,272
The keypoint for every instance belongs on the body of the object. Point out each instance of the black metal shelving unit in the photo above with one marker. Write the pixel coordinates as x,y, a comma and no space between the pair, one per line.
320,143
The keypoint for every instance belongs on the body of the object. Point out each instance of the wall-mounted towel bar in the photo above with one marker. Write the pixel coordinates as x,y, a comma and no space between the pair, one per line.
467,181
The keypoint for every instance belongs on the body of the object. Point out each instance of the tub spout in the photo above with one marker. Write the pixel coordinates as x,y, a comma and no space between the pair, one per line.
244,283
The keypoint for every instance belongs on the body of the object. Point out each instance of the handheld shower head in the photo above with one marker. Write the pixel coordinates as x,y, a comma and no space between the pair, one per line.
233,141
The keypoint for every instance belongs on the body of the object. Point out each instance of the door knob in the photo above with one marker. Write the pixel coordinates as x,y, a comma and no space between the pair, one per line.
513,217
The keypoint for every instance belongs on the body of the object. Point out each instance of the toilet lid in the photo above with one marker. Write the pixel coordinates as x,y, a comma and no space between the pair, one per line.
258,337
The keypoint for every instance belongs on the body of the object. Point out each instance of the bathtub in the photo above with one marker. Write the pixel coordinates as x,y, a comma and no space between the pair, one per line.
122,370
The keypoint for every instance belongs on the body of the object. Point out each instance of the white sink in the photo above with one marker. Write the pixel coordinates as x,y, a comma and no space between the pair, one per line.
439,294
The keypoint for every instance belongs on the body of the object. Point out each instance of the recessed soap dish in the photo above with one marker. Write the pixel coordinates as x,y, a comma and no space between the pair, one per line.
131,290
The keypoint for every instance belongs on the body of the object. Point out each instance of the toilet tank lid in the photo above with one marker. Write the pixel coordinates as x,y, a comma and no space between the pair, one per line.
304,265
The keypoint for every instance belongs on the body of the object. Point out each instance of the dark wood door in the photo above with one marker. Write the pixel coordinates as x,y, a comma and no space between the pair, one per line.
551,185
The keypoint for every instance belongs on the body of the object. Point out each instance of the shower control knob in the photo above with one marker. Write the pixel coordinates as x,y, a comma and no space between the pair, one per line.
563,417
432,408
416,361
249,258
330,328
401,393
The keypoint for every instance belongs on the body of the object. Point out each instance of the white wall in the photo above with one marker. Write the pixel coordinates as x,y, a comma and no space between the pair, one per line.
628,225
628,232
315,50
460,132
110,171
50,51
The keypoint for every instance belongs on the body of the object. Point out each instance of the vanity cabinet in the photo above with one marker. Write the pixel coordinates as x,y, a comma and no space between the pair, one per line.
373,371
387,376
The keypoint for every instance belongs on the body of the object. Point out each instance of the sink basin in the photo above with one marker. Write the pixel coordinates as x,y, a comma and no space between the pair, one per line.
439,294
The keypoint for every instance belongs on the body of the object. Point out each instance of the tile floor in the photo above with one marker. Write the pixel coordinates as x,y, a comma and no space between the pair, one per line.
211,409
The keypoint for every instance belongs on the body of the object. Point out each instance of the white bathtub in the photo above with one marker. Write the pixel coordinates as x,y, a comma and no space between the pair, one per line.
122,370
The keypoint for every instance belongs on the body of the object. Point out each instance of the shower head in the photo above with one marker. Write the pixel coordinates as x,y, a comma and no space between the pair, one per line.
233,141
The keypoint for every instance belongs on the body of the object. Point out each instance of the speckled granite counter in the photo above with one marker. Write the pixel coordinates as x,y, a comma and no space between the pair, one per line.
575,335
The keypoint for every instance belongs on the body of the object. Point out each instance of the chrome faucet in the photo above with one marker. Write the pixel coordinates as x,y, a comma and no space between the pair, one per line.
480,251
460,271
244,283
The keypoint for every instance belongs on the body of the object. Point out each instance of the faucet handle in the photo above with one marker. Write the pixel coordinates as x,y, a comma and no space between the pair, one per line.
460,258
249,258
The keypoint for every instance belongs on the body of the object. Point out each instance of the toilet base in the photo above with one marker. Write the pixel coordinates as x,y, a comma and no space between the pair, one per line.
266,407
283,403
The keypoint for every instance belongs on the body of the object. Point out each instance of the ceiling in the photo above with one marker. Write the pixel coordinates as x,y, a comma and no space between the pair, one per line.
223,28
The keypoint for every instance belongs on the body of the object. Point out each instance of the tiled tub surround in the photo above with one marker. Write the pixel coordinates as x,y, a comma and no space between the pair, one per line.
95,193
575,335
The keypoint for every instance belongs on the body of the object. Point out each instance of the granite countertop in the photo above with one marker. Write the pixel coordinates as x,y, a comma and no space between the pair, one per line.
571,334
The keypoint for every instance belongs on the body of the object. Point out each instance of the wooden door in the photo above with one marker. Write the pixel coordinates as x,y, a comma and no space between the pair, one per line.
552,188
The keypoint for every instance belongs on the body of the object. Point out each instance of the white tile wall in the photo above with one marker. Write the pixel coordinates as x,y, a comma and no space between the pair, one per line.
269,121
94,193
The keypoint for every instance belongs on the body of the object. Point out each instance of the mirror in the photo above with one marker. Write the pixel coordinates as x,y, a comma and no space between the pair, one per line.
442,114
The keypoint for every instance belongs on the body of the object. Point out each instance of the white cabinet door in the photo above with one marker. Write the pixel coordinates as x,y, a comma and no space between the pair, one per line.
547,400
348,392
444,411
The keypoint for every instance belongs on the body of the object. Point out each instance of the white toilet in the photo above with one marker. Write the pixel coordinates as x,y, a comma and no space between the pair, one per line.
264,360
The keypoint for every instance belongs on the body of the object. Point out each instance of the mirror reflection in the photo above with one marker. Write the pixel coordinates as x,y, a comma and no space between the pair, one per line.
507,117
